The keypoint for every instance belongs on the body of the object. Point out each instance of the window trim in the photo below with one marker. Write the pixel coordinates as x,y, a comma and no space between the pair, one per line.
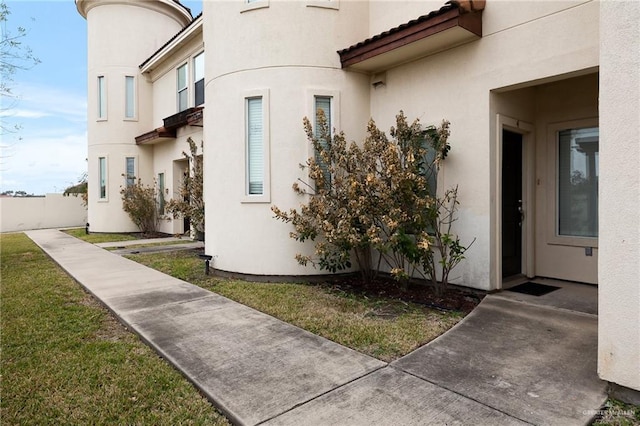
102,98
134,98
193,61
253,5
553,131
324,4
135,170
104,199
179,90
312,94
265,197
162,190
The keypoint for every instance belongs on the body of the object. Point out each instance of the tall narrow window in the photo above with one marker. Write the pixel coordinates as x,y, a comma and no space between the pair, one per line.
102,97
323,103
131,171
183,91
255,147
130,97
198,77
429,169
161,193
102,173
578,155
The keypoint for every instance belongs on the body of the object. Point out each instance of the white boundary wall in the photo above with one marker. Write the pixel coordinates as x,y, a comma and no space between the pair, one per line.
50,211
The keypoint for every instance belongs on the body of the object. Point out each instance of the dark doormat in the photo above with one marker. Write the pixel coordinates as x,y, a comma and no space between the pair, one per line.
533,289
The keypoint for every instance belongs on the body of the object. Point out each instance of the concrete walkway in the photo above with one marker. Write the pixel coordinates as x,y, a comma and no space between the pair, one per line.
507,363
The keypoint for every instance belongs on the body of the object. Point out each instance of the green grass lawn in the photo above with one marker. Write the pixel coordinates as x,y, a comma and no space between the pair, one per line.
617,413
66,360
100,238
145,245
380,327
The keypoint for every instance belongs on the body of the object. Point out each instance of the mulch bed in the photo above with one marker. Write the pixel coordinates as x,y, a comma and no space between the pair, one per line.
454,299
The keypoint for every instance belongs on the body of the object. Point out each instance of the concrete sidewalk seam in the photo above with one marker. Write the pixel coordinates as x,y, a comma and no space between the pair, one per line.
460,394
216,402
323,394
177,303
549,307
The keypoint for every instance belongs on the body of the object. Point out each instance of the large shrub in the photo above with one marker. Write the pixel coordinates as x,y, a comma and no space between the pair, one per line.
378,202
141,204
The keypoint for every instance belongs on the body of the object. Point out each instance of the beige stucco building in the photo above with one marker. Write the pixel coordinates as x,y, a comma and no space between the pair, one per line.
543,97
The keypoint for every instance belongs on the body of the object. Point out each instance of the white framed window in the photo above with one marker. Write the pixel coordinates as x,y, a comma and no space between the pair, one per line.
130,171
578,158
324,99
102,178
161,191
198,78
573,186
329,102
255,147
183,87
431,171
324,4
129,97
102,98
323,103
256,107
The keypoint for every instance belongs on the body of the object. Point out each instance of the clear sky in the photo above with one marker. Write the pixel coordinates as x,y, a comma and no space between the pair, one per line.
49,153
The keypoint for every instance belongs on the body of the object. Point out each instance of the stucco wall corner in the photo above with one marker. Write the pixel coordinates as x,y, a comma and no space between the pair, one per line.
619,194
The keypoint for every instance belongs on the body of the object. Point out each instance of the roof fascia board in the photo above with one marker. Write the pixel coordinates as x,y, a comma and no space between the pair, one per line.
442,22
190,32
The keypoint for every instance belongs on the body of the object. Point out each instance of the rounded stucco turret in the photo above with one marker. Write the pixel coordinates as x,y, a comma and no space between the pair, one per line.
269,64
121,35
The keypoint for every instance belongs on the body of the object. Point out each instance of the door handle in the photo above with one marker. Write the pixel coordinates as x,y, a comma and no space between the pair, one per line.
521,211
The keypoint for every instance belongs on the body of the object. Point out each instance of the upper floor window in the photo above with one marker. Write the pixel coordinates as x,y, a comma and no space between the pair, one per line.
102,97
198,77
183,88
130,97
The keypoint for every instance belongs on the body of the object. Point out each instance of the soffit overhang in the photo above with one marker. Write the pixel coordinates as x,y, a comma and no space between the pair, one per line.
171,124
156,136
454,24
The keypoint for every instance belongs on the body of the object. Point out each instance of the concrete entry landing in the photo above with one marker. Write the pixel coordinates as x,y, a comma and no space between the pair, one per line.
535,363
577,297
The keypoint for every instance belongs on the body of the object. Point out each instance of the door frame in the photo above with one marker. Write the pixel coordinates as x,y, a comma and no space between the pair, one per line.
526,129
